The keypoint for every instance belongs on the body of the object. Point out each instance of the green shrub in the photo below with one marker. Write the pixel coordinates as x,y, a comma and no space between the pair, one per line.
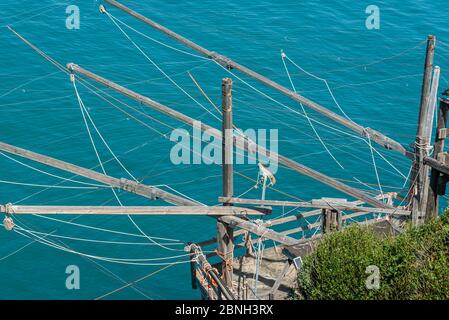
413,265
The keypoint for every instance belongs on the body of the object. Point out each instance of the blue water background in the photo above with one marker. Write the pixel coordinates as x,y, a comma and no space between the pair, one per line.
39,111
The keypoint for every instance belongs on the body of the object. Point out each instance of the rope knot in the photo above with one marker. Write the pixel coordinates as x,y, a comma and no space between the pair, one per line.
8,223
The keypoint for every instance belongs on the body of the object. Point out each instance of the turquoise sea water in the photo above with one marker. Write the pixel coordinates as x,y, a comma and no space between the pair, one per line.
39,111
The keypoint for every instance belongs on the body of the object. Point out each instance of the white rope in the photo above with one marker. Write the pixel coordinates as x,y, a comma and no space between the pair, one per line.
294,111
160,69
31,232
285,106
259,256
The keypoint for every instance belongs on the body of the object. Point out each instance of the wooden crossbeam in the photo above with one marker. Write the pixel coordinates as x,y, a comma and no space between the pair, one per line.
321,204
131,210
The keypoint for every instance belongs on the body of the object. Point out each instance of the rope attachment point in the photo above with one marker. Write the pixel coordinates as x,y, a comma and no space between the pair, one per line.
102,9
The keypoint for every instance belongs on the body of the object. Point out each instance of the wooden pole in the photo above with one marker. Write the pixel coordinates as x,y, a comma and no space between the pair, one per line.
419,177
376,136
438,148
225,236
143,190
239,141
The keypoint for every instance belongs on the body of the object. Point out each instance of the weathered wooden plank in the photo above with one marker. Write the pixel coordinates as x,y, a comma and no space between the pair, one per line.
131,210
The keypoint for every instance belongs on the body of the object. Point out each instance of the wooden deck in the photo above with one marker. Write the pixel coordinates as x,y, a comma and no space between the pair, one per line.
276,270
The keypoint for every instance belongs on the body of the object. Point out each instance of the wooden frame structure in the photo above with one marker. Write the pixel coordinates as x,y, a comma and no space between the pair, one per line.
231,216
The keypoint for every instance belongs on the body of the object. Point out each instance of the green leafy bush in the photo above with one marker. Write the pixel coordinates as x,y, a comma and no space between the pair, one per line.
412,265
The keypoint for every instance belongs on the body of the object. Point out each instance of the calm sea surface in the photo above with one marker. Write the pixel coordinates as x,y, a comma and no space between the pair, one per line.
374,74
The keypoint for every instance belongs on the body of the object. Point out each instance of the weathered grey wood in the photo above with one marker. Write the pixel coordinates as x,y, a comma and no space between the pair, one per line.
419,177
436,164
225,236
259,230
241,142
124,184
228,63
436,175
314,204
140,189
134,210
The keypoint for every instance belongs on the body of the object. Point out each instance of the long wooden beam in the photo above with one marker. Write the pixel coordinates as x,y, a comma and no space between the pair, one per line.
319,204
124,184
131,210
374,135
240,142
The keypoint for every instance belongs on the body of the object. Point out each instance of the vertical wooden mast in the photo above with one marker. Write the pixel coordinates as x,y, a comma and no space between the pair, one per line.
225,236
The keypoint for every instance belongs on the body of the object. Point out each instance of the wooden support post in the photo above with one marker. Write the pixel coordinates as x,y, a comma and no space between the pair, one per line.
331,220
436,176
225,237
207,268
420,179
